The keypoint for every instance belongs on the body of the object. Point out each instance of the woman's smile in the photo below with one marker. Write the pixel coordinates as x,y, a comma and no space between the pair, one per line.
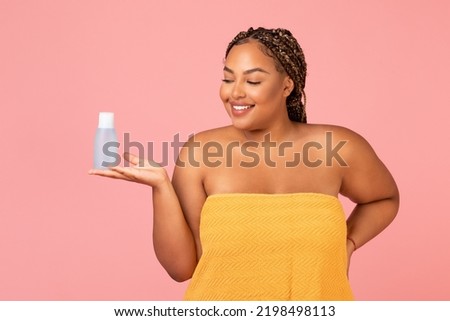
251,80
240,109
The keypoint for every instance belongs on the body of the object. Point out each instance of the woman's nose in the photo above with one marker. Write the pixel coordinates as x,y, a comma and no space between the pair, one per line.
238,90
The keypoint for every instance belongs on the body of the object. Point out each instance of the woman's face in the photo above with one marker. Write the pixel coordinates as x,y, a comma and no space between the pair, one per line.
253,91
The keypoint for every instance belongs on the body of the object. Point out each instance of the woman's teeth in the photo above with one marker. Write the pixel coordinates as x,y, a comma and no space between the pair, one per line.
242,107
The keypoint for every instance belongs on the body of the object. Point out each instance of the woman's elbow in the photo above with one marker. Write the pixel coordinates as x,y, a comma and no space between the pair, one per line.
180,276
182,272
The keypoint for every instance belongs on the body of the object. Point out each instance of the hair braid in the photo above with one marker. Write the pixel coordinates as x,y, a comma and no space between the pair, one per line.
288,56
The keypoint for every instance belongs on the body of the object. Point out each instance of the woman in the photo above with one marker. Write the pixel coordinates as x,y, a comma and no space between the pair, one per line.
252,211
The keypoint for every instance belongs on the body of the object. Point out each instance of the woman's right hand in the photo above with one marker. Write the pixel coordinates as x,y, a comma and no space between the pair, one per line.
141,171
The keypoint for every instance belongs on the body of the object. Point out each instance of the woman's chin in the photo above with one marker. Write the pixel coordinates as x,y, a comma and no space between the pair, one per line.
241,124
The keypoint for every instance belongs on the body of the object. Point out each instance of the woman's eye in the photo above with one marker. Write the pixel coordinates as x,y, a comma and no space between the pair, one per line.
253,82
227,81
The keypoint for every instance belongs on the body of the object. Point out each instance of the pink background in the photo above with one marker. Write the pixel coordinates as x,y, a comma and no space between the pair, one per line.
380,68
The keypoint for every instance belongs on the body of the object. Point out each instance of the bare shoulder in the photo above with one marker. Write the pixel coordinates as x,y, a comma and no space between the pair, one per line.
338,132
356,149
365,177
192,153
220,134
332,137
351,144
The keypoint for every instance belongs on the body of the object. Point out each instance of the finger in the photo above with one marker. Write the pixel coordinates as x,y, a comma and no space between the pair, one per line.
153,163
129,172
108,173
133,159
139,162
146,164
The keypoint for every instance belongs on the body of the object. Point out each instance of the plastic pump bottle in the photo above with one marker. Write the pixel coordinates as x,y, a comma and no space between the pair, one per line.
106,146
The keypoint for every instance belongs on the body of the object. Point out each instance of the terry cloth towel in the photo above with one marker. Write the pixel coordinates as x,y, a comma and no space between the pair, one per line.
271,247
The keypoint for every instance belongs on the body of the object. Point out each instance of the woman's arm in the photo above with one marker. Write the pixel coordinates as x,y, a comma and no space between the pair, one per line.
367,182
172,237
173,241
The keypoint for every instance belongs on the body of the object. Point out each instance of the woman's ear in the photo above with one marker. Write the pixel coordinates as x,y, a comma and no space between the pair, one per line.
288,86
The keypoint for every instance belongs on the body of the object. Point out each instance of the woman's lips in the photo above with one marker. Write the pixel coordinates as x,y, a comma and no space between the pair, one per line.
241,109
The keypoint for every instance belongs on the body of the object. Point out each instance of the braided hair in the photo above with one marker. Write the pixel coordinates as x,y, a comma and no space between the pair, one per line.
288,56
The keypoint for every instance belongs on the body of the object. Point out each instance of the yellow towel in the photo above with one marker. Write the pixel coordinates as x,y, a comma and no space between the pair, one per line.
271,247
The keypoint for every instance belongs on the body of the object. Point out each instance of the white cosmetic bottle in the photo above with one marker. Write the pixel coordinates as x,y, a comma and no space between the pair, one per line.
106,146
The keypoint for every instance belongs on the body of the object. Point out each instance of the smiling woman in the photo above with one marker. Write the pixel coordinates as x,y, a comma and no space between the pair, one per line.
250,79
288,58
267,231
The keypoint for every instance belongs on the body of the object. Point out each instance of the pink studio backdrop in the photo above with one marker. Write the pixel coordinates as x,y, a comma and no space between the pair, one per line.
378,67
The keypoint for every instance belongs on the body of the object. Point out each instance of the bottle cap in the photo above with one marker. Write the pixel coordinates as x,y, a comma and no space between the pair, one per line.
105,120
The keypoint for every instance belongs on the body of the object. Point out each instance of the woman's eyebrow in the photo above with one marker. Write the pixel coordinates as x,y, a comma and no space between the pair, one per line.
227,69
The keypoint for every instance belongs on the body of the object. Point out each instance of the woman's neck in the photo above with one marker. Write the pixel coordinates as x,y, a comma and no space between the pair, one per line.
277,132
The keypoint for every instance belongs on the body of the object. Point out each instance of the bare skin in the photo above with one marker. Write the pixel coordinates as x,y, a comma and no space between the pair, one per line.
254,95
